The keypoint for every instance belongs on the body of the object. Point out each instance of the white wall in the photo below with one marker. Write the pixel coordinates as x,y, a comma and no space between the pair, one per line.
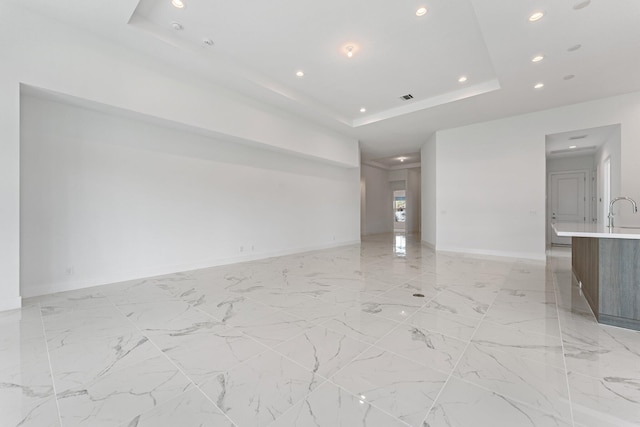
428,189
108,198
612,149
413,201
567,164
47,54
490,177
378,217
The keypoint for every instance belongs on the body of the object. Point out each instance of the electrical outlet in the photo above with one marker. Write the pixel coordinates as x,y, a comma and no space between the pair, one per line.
69,271
241,248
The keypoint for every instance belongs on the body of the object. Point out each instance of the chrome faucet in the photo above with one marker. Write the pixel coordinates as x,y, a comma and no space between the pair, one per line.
633,202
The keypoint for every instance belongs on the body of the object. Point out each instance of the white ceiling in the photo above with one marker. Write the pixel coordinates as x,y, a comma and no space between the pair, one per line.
258,47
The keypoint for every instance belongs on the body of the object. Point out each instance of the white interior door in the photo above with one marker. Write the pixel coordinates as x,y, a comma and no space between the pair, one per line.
568,201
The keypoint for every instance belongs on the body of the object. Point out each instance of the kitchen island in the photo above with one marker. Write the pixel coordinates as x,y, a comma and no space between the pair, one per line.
606,263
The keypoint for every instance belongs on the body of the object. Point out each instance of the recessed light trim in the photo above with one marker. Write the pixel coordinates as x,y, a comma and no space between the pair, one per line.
178,3
177,26
539,85
300,73
574,48
463,79
536,16
350,50
421,11
537,58
207,42
363,110
573,146
581,5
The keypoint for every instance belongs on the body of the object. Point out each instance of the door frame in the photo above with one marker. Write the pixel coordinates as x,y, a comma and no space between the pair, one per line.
587,197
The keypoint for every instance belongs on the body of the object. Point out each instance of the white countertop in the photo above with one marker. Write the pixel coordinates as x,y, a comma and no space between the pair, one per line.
590,229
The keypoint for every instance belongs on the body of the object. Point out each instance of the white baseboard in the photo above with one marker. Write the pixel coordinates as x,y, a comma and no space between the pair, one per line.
50,288
10,303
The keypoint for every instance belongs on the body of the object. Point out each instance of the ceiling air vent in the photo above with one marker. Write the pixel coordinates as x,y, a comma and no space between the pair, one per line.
406,97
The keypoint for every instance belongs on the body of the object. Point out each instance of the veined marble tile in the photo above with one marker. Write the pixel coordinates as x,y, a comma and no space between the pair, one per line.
405,292
536,317
233,309
361,326
190,409
428,348
339,295
21,343
202,356
321,350
541,386
258,391
70,300
396,385
80,324
462,303
36,413
120,397
391,309
80,362
453,325
280,298
26,314
27,395
275,329
605,402
169,316
331,406
507,295
542,348
462,405
602,351
317,311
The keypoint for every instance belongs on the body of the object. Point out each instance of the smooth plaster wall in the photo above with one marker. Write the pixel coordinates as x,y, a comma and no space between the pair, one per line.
108,198
490,177
47,54
428,190
612,148
378,216
413,201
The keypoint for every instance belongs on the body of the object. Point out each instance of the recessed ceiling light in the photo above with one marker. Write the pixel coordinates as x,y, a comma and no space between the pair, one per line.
207,42
582,4
572,146
462,79
569,76
178,3
536,16
537,58
402,159
349,51
363,110
421,11
574,47
300,73
177,26
539,86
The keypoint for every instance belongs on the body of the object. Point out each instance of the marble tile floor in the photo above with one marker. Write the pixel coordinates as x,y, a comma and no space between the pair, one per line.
326,338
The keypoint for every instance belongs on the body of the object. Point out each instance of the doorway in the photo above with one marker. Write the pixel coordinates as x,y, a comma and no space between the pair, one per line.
399,210
568,194
583,174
